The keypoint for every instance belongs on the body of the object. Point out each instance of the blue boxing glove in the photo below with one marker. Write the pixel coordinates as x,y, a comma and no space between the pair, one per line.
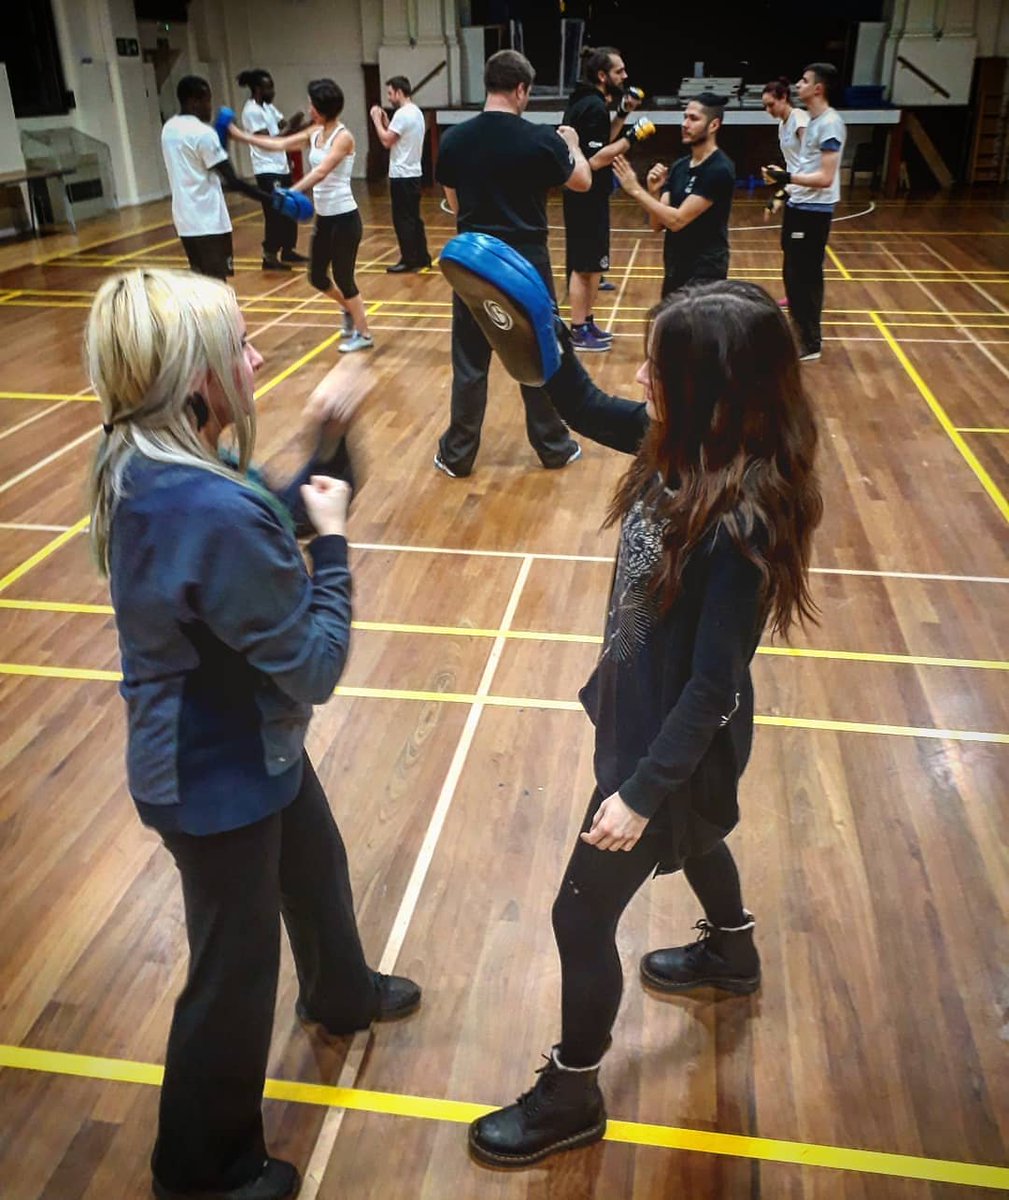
295,205
224,118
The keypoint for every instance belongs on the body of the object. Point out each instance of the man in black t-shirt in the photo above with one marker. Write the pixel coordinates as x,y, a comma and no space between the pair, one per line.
692,200
496,169
587,216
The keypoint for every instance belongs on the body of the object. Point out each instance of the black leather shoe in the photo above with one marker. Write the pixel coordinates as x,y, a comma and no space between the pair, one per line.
563,1111
397,997
397,269
278,1180
274,264
292,256
720,958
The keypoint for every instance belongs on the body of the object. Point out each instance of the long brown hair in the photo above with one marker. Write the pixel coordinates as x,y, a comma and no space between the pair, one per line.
733,442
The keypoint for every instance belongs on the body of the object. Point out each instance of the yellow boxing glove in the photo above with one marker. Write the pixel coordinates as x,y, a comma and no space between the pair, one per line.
639,131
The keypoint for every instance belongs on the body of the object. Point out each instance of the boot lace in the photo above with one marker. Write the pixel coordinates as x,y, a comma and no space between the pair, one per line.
529,1101
700,946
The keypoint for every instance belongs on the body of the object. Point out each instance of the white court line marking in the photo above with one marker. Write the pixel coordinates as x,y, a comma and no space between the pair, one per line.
325,1143
50,458
623,286
963,278
992,358
608,558
34,417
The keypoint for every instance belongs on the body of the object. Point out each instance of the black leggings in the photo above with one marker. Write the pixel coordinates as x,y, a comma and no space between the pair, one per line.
334,244
597,887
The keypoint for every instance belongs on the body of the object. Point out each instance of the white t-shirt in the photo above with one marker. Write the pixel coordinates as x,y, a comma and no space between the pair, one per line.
825,132
406,153
789,139
256,118
191,149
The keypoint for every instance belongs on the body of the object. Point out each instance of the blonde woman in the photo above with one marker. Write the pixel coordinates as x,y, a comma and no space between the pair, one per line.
226,642
338,229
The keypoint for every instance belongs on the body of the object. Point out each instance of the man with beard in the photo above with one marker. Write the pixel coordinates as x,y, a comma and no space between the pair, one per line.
587,214
691,200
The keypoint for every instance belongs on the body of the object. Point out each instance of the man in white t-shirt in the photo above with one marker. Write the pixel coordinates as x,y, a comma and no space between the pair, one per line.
261,115
198,172
815,188
403,137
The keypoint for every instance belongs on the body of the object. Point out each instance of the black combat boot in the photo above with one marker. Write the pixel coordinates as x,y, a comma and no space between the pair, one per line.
564,1110
720,958
278,1180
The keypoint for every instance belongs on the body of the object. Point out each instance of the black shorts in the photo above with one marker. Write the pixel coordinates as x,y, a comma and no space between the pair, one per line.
211,254
586,233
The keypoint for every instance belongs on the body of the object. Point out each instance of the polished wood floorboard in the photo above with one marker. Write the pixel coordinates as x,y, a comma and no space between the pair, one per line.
873,845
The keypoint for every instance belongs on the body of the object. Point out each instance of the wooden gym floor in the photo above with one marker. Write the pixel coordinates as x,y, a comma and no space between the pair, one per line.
873,845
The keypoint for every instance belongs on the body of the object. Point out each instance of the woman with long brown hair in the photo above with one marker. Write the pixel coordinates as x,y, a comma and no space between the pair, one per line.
716,515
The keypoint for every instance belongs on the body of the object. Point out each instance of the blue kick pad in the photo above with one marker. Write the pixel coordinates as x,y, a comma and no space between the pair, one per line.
509,301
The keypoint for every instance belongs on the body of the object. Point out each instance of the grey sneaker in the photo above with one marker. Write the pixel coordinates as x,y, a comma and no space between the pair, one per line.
357,341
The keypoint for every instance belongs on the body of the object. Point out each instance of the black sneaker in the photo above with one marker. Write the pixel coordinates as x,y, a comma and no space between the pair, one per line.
274,264
397,269
564,1110
278,1180
720,958
292,256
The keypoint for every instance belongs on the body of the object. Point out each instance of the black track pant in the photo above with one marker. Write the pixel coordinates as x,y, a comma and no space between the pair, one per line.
596,888
279,232
804,243
406,220
237,886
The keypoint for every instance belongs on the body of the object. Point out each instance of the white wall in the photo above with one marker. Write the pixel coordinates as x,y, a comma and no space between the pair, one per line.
11,158
943,40
116,102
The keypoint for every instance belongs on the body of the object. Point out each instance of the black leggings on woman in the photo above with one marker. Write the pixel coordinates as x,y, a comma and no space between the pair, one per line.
597,887
334,244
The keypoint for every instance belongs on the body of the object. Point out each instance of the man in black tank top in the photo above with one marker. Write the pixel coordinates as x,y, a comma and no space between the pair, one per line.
496,169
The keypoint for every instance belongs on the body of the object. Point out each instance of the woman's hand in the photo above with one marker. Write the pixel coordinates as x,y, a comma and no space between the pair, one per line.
615,826
626,177
326,502
330,409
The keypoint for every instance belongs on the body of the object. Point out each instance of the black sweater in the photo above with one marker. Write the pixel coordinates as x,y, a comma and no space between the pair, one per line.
671,697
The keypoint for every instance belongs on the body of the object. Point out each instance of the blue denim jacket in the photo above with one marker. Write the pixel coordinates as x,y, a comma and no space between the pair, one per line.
226,643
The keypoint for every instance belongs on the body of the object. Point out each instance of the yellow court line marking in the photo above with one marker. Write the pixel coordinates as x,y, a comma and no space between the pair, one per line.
634,1133
845,274
48,396
39,555
939,412
305,358
974,429
31,670
582,639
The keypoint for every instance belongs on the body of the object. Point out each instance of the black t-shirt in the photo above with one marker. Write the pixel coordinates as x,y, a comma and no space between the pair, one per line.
501,167
588,115
702,247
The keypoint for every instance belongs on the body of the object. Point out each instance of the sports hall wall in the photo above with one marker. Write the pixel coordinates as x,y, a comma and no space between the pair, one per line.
119,103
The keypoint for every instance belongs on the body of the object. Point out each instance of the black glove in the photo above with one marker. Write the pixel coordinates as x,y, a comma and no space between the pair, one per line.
777,175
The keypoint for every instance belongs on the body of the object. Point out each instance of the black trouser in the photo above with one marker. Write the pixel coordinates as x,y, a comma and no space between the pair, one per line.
236,887
406,220
596,888
471,354
334,245
679,275
804,243
279,232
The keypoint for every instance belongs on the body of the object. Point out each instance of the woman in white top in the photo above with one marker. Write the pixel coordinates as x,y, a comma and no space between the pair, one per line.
337,221
792,122
261,115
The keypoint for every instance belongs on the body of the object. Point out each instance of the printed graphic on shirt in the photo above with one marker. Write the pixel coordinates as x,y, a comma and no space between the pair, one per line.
634,609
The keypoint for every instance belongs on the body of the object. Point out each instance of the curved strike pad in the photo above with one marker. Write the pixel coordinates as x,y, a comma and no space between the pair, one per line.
508,300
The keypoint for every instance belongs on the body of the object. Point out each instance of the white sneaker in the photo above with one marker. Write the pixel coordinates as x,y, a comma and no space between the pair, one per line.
357,341
440,465
810,356
348,326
